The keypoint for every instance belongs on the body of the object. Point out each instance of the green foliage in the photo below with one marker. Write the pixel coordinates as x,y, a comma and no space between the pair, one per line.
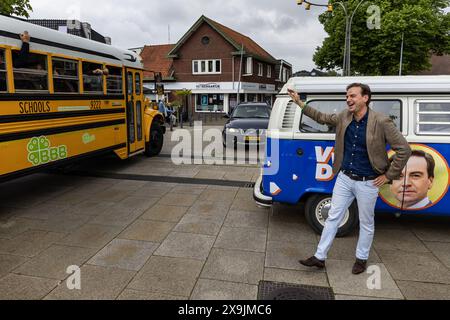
183,93
19,8
424,23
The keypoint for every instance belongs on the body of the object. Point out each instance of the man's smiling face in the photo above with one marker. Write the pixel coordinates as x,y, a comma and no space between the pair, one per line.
355,100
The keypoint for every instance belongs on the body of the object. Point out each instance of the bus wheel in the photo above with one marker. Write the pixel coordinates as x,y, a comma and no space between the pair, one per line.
154,146
316,212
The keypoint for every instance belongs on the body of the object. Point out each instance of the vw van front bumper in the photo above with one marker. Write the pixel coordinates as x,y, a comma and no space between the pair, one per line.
261,199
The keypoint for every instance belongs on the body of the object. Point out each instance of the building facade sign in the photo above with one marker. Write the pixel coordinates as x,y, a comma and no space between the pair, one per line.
209,86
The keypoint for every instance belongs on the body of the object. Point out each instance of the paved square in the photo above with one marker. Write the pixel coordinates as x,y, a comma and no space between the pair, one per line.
97,283
152,240
235,266
186,245
173,276
124,254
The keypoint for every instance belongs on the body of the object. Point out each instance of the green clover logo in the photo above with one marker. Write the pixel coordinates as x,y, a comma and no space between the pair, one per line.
40,152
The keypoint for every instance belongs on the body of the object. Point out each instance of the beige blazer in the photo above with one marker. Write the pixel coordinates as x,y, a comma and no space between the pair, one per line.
380,132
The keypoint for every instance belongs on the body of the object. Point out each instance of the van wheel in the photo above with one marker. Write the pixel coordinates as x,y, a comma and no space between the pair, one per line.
154,146
316,212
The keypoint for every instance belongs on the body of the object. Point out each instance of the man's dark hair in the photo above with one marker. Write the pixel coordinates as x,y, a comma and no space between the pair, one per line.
428,158
365,90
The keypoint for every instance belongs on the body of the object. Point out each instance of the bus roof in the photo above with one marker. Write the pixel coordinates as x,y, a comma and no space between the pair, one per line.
52,41
380,84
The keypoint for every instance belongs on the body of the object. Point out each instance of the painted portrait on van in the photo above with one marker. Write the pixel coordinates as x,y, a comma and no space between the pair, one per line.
423,182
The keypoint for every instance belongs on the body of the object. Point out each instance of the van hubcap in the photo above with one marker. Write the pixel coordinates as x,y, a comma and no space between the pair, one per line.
322,210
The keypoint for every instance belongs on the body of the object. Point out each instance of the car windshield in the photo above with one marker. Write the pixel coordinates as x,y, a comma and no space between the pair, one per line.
248,111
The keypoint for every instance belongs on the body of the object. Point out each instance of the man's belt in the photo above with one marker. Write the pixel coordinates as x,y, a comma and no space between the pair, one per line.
357,177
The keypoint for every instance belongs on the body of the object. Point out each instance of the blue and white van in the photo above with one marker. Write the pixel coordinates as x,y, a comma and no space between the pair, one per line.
300,151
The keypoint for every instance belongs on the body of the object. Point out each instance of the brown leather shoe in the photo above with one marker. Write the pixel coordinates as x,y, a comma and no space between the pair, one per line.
359,267
313,262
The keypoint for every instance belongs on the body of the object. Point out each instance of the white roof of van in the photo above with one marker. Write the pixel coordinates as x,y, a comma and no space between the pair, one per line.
49,40
381,84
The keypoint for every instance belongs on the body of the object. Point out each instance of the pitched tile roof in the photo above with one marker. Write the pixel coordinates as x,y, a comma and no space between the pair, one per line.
155,59
250,46
235,38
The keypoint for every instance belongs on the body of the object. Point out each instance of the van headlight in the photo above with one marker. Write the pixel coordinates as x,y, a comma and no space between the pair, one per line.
232,130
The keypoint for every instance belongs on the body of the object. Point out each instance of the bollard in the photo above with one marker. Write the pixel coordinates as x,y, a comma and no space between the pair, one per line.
171,123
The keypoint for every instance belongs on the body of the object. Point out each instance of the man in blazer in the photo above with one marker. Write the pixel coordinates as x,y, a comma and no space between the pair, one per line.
361,165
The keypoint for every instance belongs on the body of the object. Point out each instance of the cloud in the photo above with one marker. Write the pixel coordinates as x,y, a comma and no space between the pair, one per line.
281,27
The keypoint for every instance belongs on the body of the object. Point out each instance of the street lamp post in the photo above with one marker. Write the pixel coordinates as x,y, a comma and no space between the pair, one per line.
350,37
346,65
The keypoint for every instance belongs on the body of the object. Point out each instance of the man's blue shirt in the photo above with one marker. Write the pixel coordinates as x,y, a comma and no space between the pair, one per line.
356,158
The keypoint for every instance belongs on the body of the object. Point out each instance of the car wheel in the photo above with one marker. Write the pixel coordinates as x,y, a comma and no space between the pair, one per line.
316,212
228,145
154,146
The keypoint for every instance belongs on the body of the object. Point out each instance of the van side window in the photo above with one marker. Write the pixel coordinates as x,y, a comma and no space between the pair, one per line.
3,86
33,77
65,76
433,118
391,108
326,106
114,81
92,78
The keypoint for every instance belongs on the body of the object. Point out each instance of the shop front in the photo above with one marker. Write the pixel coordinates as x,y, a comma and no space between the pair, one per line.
222,97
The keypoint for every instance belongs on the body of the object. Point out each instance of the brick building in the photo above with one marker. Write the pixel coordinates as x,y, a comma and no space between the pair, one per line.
220,66
440,65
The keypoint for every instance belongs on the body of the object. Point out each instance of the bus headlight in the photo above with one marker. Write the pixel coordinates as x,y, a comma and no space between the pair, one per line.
232,130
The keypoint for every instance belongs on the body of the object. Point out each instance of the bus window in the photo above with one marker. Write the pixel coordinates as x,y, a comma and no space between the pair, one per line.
139,120
114,81
138,84
130,83
92,79
35,76
3,86
65,76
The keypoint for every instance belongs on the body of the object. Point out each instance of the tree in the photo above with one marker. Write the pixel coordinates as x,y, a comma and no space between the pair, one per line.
424,24
15,7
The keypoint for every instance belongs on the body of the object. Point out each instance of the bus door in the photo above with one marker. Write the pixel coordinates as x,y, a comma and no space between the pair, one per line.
135,105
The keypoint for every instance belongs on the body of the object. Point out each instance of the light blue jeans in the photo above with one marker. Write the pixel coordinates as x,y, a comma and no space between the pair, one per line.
345,191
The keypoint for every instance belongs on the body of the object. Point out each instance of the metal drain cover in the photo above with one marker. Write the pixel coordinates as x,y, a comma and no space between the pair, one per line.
285,291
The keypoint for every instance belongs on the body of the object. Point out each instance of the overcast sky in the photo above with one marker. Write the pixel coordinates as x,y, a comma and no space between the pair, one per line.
281,27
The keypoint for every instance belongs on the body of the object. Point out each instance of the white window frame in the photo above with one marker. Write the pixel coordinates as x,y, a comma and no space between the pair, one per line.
249,66
269,71
418,132
260,69
206,64
285,71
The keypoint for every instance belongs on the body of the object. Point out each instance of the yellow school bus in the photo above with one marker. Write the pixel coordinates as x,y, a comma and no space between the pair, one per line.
59,107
